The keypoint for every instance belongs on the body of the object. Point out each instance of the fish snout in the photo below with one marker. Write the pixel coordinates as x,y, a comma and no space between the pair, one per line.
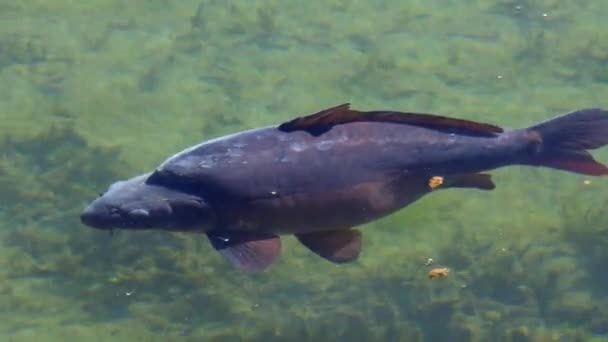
95,217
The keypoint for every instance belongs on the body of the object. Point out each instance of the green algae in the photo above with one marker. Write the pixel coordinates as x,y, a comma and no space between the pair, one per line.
86,100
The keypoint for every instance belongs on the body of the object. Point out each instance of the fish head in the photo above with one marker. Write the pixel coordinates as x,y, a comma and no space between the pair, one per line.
134,204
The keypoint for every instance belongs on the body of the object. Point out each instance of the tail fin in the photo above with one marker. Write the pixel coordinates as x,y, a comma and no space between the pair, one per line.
564,141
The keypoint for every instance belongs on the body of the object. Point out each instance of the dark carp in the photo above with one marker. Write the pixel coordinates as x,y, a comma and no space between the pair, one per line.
319,176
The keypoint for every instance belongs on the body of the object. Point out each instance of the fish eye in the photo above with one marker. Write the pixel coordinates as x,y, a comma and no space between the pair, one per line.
100,194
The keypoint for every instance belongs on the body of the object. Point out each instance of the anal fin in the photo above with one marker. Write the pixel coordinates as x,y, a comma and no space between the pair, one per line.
480,181
338,246
249,252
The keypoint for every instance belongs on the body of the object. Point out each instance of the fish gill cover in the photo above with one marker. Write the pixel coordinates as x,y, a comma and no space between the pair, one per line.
95,91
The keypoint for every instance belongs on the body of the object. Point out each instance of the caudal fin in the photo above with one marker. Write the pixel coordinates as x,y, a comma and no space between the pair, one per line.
564,141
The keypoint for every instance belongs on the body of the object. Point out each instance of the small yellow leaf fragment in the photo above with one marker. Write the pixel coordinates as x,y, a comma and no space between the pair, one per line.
435,181
439,272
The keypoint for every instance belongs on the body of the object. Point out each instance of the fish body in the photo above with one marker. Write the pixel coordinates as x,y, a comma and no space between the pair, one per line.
293,182
319,176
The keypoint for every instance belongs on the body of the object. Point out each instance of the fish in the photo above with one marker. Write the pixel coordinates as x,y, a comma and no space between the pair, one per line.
320,177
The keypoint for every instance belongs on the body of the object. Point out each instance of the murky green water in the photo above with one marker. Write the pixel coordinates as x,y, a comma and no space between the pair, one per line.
100,90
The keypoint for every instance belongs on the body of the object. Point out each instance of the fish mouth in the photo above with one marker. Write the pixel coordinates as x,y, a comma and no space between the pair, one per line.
109,219
91,218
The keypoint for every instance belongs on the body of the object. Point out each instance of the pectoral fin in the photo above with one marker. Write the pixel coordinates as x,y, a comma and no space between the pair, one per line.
248,252
338,246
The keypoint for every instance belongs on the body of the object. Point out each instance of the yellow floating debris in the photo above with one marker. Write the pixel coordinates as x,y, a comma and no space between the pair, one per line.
439,272
435,181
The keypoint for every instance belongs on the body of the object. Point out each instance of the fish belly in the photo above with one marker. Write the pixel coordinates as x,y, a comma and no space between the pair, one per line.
329,210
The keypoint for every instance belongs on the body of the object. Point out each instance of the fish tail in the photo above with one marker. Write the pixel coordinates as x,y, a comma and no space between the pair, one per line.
563,142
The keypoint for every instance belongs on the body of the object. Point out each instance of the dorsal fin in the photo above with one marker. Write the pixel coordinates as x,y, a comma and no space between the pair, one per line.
323,121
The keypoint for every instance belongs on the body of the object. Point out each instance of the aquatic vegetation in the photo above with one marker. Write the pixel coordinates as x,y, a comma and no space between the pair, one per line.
37,175
135,82
174,285
586,229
